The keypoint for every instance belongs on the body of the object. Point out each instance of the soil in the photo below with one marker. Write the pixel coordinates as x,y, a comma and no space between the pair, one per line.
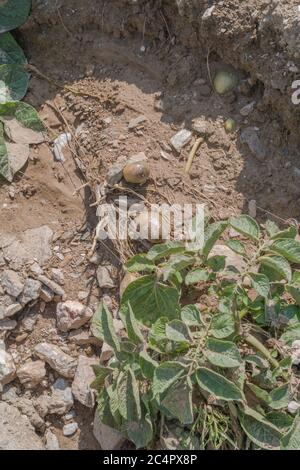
152,58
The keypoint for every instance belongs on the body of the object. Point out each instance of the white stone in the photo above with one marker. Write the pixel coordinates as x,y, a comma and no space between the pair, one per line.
70,429
293,407
133,123
58,276
7,367
59,402
11,283
31,373
104,277
31,291
179,140
72,315
64,364
51,441
84,376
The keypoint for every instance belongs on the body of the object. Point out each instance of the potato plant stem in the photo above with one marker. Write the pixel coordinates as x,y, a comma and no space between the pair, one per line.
192,154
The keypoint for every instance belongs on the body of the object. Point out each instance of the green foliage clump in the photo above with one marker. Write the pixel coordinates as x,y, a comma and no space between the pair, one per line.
219,376
14,80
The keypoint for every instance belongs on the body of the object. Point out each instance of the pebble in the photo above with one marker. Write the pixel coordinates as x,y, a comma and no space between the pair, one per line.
46,294
202,127
133,123
7,325
252,208
250,137
82,295
58,276
31,373
53,286
7,367
115,172
84,376
70,429
11,283
59,402
104,277
179,140
72,315
246,110
31,291
293,407
83,337
51,441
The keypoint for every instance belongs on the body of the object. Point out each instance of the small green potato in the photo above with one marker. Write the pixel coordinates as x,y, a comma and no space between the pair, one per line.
224,81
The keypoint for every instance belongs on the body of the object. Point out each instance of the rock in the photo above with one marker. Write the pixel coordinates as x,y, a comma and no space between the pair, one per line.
246,110
18,156
104,277
250,137
181,139
59,402
12,310
108,438
58,276
31,291
232,259
33,244
252,208
208,13
7,325
133,123
46,294
83,337
64,364
107,353
11,283
70,429
51,441
295,353
202,127
7,367
72,315
16,432
53,286
293,407
28,322
82,295
115,172
31,373
26,407
36,269
84,376
22,135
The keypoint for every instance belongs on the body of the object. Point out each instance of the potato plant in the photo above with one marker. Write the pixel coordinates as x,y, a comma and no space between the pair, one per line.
14,80
214,375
